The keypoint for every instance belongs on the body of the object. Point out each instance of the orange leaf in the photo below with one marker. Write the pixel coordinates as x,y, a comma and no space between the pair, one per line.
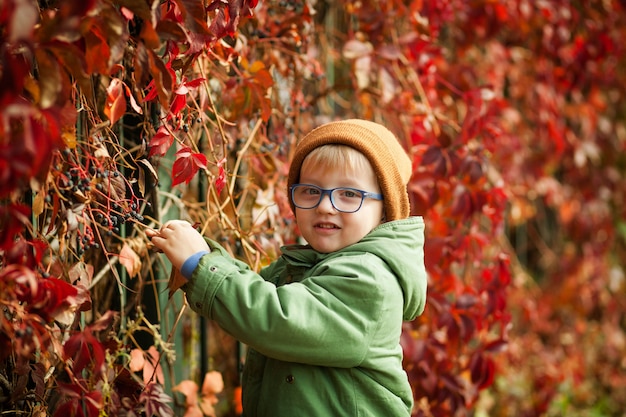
190,390
213,383
137,360
237,400
97,51
152,368
115,105
133,102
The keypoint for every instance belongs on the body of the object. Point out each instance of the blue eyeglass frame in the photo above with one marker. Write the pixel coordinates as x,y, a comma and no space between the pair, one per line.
329,191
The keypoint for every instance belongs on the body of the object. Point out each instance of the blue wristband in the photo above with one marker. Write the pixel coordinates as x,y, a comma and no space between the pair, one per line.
191,263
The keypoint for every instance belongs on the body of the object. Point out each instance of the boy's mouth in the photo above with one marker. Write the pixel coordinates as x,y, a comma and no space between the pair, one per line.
326,226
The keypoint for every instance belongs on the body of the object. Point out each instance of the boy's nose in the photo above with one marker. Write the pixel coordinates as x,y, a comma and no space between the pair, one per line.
326,206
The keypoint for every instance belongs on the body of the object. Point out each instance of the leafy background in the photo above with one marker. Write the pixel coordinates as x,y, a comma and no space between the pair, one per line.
117,115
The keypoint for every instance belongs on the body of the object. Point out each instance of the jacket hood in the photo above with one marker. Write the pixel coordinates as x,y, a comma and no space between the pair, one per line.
400,244
403,251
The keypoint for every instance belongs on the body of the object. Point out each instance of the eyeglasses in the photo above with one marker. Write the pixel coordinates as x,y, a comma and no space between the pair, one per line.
343,199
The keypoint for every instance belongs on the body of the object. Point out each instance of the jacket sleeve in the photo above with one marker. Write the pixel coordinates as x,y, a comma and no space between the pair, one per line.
329,319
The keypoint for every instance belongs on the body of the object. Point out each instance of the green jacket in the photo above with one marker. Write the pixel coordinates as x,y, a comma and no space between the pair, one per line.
323,329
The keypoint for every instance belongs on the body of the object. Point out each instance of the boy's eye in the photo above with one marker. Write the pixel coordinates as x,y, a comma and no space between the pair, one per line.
347,193
311,191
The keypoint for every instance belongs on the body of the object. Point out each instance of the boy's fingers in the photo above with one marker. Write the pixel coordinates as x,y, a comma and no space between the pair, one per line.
151,246
151,234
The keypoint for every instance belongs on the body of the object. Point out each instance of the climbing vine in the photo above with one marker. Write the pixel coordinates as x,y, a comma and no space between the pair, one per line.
114,114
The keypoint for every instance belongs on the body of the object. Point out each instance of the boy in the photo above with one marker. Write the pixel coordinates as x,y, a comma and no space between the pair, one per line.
323,321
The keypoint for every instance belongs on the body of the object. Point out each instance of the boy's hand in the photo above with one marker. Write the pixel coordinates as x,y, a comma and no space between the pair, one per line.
178,240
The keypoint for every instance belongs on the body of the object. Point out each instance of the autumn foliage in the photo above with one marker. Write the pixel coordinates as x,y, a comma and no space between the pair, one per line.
114,111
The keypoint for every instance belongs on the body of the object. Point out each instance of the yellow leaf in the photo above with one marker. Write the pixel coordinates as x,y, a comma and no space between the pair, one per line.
256,66
32,87
69,138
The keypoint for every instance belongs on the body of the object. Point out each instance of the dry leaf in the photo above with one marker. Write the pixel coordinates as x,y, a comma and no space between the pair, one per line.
101,152
152,179
176,281
81,273
38,203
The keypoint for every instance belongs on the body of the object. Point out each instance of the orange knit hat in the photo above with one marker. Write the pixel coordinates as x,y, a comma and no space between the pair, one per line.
379,145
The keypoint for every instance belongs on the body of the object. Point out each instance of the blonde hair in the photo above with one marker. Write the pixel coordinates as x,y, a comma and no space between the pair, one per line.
341,157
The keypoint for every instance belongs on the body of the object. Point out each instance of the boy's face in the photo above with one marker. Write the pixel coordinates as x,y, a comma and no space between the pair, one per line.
328,230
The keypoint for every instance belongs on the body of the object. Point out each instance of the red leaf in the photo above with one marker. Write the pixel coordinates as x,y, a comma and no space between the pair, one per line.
427,377
462,204
79,403
13,218
58,297
220,181
161,142
436,161
424,191
163,78
28,143
220,23
194,83
556,134
180,95
187,165
84,349
496,346
482,370
195,16
97,51
152,91
50,298
503,272
179,102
